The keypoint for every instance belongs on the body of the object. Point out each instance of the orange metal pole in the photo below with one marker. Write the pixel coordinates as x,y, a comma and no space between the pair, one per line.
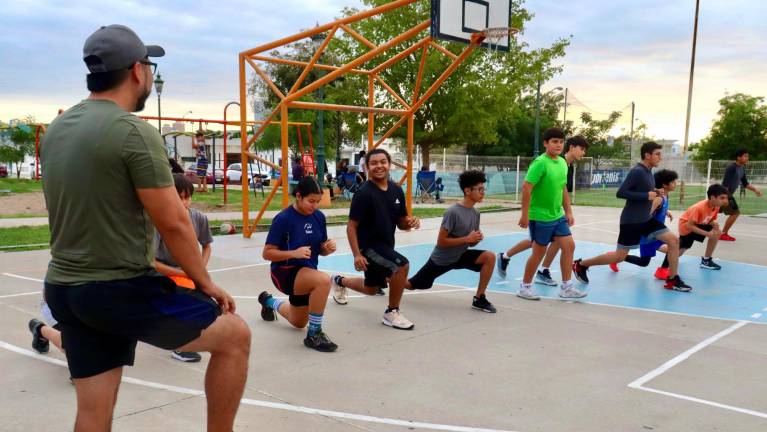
229,122
419,78
352,108
323,28
284,175
390,131
266,79
353,33
302,63
402,180
359,60
243,148
392,92
410,133
445,75
263,161
226,178
311,150
263,208
371,116
37,149
313,60
444,50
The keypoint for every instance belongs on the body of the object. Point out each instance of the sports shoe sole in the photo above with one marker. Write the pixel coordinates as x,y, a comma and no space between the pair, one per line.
573,297
483,309
341,302
550,282
390,324
526,297
710,267
184,359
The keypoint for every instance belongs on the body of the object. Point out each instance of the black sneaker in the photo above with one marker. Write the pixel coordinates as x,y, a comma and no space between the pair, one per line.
380,292
481,303
677,284
39,343
501,263
188,357
580,271
267,313
708,263
320,342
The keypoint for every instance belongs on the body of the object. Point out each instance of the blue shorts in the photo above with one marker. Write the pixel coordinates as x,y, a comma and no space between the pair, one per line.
543,233
648,249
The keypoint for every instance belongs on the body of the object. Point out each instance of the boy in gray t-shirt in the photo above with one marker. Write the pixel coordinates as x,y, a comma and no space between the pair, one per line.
459,231
163,260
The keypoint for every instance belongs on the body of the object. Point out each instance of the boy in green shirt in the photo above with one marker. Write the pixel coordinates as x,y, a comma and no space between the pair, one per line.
544,196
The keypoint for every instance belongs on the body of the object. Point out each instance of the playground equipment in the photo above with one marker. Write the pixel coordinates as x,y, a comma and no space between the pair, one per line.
471,22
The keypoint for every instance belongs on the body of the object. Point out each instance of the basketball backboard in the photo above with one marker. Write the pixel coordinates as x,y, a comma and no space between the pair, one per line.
457,20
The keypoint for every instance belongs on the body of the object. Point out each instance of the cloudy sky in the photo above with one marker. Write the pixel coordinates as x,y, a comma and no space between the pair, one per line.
622,52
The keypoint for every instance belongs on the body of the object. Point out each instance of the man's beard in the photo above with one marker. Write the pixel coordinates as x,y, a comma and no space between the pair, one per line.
141,102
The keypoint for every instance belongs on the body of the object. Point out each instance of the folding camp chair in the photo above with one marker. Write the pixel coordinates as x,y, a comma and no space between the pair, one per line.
427,185
347,182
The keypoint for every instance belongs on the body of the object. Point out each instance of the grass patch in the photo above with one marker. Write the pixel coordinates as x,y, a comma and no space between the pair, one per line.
19,186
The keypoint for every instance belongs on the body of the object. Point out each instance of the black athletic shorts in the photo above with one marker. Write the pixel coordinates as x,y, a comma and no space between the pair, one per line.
686,241
102,321
284,279
630,235
731,207
424,279
383,262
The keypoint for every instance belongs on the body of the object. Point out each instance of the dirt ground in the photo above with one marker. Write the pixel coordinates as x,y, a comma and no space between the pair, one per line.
32,203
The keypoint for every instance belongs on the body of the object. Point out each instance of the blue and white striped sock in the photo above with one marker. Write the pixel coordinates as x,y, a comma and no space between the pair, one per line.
315,323
274,303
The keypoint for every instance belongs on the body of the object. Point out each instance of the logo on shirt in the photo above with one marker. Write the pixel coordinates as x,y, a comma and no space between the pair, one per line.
396,201
308,229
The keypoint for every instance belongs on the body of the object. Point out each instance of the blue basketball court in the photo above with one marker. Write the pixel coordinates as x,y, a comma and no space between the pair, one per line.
734,293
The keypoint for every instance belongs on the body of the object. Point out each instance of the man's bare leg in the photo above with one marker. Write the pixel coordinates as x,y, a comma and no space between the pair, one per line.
619,255
730,222
358,284
533,262
523,245
397,284
96,398
551,253
567,246
52,335
487,260
672,241
228,341
711,243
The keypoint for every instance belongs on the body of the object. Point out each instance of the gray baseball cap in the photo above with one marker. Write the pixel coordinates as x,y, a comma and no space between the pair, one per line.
116,47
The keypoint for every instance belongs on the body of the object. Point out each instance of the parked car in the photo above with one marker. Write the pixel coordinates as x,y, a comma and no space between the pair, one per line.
191,172
234,174
3,171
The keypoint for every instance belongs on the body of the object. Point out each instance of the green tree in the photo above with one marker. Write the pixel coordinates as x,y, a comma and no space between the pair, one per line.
742,123
20,142
596,133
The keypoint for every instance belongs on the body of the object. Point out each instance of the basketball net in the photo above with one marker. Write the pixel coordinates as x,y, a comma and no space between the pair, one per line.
495,35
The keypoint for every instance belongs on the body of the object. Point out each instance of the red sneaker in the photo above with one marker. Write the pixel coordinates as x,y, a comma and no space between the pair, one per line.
661,273
614,267
726,237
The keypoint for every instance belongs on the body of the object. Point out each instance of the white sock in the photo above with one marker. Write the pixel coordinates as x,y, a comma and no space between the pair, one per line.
525,285
544,268
567,284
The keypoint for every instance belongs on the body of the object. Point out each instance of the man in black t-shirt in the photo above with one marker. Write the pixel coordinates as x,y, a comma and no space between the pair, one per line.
377,209
735,176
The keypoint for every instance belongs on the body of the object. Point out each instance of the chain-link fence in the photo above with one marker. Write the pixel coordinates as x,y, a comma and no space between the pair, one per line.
597,180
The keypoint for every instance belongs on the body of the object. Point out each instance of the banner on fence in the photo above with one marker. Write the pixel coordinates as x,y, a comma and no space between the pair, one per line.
607,178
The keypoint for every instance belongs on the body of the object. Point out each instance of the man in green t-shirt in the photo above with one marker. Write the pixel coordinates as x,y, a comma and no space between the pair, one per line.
544,195
107,186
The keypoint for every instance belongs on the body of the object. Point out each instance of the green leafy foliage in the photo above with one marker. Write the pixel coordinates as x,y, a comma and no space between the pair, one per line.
742,123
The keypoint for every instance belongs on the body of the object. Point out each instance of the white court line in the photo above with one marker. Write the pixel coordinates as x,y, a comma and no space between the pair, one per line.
756,316
764,310
638,384
22,294
239,267
273,405
23,277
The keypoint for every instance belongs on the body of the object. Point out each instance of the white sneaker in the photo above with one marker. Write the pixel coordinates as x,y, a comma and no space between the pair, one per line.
339,292
527,293
571,293
394,318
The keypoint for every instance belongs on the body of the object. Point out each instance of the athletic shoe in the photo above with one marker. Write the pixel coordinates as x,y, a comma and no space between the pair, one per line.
544,277
380,292
501,263
267,313
708,263
613,266
188,357
661,273
677,284
726,237
527,293
339,292
481,303
320,342
39,343
571,293
580,271
395,319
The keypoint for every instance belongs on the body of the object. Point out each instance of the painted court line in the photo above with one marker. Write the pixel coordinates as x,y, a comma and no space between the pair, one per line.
21,294
638,384
272,405
23,277
756,316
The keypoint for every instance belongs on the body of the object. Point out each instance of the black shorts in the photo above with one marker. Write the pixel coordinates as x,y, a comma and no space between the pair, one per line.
686,241
284,279
731,207
102,321
424,279
630,235
383,262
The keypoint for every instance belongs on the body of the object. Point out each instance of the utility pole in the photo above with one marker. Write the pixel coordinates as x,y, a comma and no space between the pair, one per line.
692,73
631,136
564,116
536,150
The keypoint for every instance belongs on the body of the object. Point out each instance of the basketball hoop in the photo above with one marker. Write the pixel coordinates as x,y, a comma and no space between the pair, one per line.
494,36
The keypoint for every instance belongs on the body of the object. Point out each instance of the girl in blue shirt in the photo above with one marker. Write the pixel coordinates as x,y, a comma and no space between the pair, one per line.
297,237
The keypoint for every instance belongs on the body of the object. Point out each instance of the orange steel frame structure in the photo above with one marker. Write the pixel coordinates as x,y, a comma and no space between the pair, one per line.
291,99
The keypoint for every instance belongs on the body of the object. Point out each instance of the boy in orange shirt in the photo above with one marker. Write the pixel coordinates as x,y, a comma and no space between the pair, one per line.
699,222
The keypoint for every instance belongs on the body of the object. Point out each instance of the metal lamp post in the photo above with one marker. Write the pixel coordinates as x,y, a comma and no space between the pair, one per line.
317,40
158,84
